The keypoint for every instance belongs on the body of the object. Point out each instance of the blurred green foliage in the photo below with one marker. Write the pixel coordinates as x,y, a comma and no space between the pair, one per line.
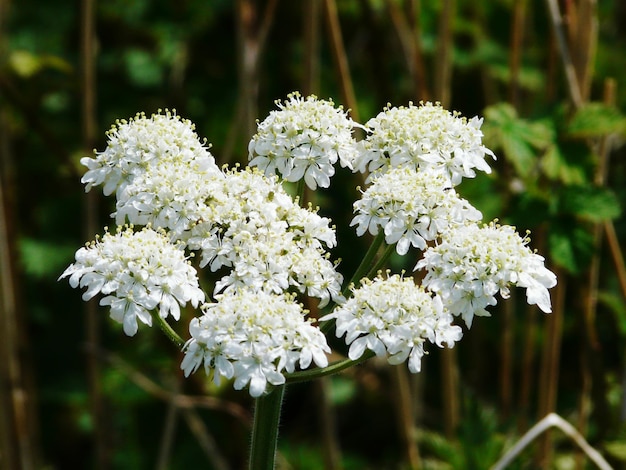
185,55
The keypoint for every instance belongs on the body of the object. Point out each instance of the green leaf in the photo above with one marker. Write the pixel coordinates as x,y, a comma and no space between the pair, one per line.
42,259
26,64
143,68
616,449
521,140
615,304
342,390
556,167
596,120
570,246
590,203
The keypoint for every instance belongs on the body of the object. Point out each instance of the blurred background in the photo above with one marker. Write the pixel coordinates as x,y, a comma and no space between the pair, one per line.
547,75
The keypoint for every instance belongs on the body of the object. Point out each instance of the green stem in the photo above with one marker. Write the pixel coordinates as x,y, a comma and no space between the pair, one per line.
368,259
300,191
366,262
265,429
167,329
311,374
381,261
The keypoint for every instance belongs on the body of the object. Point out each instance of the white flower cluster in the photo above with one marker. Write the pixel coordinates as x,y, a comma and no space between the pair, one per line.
137,272
424,207
253,227
253,338
393,316
158,168
425,136
303,139
244,223
473,263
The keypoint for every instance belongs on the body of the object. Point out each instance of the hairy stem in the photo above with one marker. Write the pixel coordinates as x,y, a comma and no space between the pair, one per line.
167,329
265,429
311,374
360,272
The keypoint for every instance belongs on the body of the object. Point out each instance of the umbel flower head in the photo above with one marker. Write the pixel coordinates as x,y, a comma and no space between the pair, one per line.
158,169
412,207
303,139
425,136
473,263
253,227
142,143
253,338
137,272
393,316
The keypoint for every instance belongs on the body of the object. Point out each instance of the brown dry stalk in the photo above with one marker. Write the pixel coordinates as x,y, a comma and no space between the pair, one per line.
506,357
311,19
404,411
90,209
443,63
408,32
559,32
17,433
450,390
549,379
517,40
181,400
341,58
528,364
252,37
205,439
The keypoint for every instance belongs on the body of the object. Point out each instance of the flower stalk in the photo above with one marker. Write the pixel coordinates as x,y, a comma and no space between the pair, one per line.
167,329
265,429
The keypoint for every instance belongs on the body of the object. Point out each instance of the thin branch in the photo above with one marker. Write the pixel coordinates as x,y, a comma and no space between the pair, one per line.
617,254
528,361
506,357
204,438
180,400
91,218
408,33
517,40
550,361
341,59
418,58
404,409
17,424
251,41
450,390
552,420
167,437
570,73
583,38
328,424
311,47
167,329
443,64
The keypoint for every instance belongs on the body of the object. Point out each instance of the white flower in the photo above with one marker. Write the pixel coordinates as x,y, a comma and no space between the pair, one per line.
393,316
412,207
170,195
158,169
253,338
425,136
137,144
473,263
303,139
252,226
137,272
